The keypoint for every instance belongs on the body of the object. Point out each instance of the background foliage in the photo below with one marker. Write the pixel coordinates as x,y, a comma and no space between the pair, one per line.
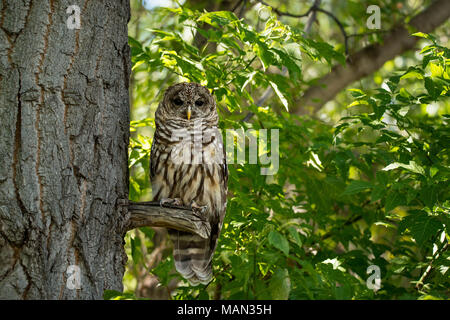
363,181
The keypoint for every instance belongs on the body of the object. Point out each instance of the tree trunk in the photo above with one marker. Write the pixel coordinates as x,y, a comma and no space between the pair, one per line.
64,115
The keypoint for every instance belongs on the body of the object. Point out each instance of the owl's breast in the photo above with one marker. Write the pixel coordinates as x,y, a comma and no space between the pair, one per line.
192,171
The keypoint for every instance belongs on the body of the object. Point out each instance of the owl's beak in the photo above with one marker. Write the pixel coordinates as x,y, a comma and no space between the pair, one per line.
188,113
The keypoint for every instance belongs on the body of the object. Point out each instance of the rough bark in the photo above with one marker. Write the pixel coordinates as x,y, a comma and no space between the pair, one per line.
371,58
152,214
64,115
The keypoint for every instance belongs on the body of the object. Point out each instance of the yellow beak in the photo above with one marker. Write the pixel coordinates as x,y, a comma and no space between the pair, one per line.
188,113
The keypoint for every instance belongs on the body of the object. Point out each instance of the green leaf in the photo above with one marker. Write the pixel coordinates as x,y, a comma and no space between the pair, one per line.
422,226
393,200
357,186
117,295
263,52
436,70
163,271
249,79
289,63
421,34
357,93
413,72
279,241
218,18
412,166
377,193
136,253
358,103
148,232
404,93
429,195
203,295
280,285
382,177
431,88
425,35
295,235
280,95
433,171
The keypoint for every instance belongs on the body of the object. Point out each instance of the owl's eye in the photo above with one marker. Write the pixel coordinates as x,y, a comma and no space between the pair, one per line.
199,103
178,101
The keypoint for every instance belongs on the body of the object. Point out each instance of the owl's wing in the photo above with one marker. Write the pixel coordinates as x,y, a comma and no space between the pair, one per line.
224,167
152,160
216,223
155,154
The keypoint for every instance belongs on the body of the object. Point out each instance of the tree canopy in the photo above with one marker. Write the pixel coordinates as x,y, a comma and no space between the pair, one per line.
363,177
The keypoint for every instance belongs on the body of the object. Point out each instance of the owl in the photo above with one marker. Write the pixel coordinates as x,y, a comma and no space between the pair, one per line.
188,167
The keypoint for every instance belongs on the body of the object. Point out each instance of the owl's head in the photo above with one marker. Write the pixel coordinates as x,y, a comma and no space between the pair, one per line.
188,102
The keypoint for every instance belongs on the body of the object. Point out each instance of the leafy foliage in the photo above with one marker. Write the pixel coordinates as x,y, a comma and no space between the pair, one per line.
372,189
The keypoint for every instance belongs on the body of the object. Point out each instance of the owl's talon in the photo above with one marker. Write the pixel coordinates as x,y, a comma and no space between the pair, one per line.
171,202
197,208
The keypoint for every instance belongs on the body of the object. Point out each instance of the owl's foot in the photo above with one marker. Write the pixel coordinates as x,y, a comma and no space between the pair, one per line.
171,202
197,208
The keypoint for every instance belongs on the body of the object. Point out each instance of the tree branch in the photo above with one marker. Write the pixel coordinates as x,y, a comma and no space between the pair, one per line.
288,14
420,283
152,214
340,25
314,8
371,58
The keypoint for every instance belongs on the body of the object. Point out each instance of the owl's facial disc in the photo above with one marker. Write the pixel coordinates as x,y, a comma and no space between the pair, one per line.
189,101
178,102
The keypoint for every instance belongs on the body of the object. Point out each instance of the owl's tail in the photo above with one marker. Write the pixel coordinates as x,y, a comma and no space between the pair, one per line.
193,257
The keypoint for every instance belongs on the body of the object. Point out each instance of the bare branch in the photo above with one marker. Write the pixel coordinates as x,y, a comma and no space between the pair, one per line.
288,14
237,5
314,8
311,18
152,214
420,283
340,25
241,12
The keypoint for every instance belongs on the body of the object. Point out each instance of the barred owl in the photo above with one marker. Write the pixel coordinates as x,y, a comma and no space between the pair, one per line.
188,167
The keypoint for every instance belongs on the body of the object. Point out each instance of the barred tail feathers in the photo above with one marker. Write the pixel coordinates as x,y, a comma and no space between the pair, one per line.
193,257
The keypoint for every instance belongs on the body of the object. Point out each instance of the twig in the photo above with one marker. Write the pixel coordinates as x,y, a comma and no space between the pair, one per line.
241,12
152,214
436,255
346,223
288,14
237,5
218,291
344,33
311,18
314,8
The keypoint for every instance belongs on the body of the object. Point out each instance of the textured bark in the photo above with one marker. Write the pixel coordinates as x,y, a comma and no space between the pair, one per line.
371,58
152,214
64,116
